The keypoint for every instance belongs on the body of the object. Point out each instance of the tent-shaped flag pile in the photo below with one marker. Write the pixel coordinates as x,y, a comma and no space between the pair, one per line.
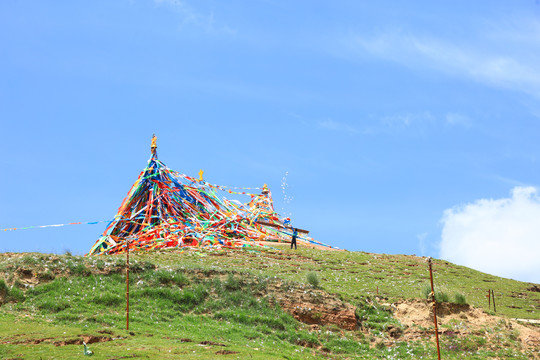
166,209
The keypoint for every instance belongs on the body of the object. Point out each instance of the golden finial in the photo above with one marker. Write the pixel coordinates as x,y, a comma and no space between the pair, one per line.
153,147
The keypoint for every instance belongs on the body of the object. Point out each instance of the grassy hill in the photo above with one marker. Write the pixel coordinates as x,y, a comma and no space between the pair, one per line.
239,304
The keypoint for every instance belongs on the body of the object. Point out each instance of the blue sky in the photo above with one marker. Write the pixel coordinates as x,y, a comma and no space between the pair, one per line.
389,117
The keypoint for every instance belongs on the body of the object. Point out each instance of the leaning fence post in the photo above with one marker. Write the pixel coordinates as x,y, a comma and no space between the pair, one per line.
493,296
434,304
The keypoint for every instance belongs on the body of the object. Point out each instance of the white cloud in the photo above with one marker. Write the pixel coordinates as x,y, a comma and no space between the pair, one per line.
458,119
507,180
420,122
407,119
330,124
191,16
497,236
496,62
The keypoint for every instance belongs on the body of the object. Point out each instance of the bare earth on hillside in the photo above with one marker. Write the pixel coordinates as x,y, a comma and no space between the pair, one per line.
463,320
315,307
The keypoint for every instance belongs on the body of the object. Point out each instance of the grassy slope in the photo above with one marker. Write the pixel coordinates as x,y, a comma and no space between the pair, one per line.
357,274
79,296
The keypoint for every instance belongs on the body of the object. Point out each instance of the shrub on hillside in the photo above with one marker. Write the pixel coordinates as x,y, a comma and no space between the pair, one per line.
441,296
78,269
29,260
165,277
15,294
426,290
460,299
46,275
3,291
3,287
313,279
232,283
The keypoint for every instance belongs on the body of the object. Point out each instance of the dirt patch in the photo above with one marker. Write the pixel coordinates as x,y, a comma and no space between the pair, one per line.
68,342
311,345
394,331
343,316
27,342
529,337
226,352
534,288
182,340
128,356
27,276
518,295
89,339
420,313
417,315
207,342
306,344
203,274
106,331
316,307
25,273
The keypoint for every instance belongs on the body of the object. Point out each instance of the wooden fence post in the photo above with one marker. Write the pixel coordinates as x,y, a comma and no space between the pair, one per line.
127,283
434,304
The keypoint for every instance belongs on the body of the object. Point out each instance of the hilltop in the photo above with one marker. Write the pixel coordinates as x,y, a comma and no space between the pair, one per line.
282,304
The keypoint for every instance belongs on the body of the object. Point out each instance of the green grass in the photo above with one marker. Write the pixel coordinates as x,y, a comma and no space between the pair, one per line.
373,316
460,299
354,275
3,287
227,298
313,279
226,311
441,296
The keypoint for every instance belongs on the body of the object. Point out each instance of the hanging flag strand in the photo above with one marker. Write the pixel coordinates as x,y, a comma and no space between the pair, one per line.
55,225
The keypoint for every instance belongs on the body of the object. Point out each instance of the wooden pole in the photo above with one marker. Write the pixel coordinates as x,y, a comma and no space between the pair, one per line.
489,299
434,303
266,223
127,283
493,296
